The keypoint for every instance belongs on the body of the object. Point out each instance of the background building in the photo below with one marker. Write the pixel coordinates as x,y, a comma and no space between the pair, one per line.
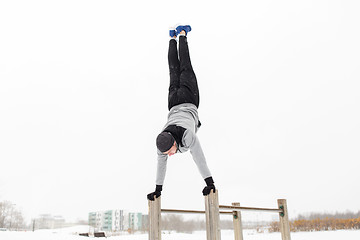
117,220
47,221
135,221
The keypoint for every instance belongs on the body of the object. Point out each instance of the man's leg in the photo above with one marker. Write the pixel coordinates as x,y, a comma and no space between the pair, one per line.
189,91
174,68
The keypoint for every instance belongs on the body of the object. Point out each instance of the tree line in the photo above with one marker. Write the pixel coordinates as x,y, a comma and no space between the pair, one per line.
322,222
10,217
310,222
337,215
175,222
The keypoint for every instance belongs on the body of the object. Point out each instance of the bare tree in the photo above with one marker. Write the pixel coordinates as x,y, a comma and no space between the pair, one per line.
4,213
17,220
337,215
10,217
172,222
175,222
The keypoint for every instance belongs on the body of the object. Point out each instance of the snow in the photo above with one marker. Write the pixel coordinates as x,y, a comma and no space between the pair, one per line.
68,234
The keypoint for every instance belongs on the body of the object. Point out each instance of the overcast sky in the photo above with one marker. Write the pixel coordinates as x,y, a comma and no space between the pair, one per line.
83,95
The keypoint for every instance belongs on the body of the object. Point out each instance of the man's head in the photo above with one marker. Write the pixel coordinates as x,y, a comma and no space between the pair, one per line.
166,143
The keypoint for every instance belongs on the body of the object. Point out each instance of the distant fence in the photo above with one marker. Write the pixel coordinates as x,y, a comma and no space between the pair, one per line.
212,214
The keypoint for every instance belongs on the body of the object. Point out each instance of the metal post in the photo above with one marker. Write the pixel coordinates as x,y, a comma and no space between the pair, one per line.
237,223
284,220
212,216
155,219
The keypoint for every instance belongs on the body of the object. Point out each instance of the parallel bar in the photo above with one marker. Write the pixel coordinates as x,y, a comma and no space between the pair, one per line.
250,208
233,208
181,211
223,212
190,211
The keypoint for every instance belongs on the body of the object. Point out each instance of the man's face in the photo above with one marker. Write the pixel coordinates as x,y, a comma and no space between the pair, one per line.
172,150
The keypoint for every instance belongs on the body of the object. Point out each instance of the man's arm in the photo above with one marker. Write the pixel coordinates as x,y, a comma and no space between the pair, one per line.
199,158
197,153
161,168
160,176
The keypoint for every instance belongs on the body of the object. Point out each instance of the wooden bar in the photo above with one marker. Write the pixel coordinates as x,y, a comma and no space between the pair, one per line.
181,211
238,232
224,212
212,216
284,220
234,208
190,211
155,219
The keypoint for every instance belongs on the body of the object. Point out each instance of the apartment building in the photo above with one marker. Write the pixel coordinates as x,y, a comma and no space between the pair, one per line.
117,220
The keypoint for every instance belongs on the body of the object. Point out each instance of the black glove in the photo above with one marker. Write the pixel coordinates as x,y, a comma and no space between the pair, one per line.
209,185
157,193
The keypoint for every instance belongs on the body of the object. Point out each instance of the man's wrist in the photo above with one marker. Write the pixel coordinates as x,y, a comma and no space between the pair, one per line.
158,188
209,181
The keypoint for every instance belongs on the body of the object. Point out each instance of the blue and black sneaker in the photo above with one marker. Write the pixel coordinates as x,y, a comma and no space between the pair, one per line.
186,28
172,32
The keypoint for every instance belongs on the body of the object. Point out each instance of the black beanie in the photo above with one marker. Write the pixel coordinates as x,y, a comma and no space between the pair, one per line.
164,141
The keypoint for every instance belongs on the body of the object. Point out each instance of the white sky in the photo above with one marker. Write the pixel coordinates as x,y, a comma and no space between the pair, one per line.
83,95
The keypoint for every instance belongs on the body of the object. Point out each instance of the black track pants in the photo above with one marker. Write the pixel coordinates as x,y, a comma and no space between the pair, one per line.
183,84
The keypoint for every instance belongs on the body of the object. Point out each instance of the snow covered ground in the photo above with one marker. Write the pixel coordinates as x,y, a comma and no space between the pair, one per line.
68,234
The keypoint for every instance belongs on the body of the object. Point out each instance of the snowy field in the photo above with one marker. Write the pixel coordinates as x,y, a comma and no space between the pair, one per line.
68,234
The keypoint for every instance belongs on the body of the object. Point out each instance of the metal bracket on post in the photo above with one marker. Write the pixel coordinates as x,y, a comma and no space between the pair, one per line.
282,214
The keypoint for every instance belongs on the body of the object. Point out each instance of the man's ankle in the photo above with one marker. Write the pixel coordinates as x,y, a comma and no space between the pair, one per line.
182,33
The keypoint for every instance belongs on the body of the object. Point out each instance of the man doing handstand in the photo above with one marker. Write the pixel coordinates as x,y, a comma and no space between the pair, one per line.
179,133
